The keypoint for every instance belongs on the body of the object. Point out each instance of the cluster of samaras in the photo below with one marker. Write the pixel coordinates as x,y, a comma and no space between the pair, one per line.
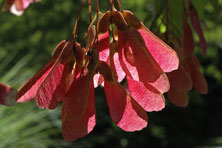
188,74
119,48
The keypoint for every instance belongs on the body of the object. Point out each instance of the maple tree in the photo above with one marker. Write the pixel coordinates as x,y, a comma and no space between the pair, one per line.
119,47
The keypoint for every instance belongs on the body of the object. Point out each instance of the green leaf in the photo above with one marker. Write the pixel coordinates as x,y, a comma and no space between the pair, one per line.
175,12
2,4
159,6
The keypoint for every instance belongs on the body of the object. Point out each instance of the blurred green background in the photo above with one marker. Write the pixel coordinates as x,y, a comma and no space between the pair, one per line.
26,43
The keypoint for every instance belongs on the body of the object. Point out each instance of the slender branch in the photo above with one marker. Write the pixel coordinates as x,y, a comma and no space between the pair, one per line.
85,35
97,7
77,21
112,5
97,17
90,11
120,6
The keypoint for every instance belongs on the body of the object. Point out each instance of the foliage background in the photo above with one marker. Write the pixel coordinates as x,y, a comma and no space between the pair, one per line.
26,43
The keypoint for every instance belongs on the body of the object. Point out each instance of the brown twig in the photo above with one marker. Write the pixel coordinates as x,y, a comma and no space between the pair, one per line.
77,21
97,17
85,35
120,6
90,11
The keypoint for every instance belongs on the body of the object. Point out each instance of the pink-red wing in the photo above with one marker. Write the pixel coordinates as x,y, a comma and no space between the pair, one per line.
52,90
7,95
146,95
177,97
188,41
103,48
164,55
25,3
77,96
129,69
180,79
146,67
162,84
124,111
195,21
74,129
98,80
116,67
19,5
104,55
28,91
101,45
199,81
196,62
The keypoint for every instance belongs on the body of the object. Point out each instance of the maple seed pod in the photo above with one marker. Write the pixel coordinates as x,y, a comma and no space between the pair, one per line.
67,51
117,19
106,72
93,61
57,51
104,23
79,55
132,20
91,37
